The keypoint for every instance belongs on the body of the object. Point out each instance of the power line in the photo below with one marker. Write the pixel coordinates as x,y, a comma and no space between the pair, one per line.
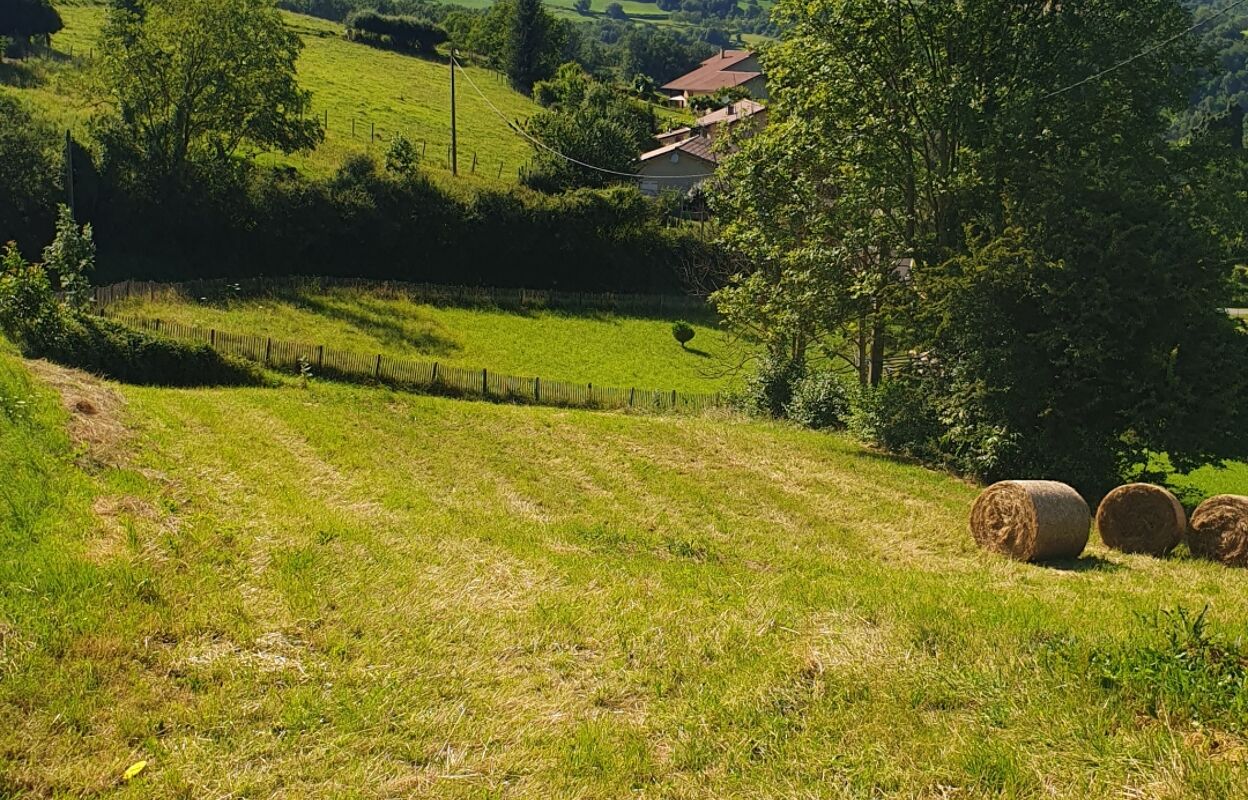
1149,51
539,143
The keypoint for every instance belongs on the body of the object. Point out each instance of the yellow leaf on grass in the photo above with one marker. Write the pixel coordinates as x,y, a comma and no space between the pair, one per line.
134,769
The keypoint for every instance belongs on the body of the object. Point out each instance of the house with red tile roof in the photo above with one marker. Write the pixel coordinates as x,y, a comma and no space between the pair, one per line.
730,68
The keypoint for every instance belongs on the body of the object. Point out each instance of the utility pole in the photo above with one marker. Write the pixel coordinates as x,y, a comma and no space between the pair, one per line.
454,141
69,173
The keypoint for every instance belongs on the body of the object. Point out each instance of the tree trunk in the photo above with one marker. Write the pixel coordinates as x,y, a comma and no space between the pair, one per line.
864,369
877,349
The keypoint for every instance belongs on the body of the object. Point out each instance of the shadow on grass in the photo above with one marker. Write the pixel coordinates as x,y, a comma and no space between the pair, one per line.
380,321
1082,564
696,352
17,75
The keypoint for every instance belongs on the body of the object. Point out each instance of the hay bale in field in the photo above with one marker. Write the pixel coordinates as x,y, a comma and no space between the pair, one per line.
1141,518
1031,520
1219,530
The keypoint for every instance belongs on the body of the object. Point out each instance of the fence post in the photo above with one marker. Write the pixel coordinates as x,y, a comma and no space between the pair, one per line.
377,369
434,380
673,399
372,132
320,355
500,169
268,348
353,127
537,390
485,385
212,337
630,397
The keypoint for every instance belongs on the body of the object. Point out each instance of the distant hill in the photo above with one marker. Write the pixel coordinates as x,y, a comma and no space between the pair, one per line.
383,92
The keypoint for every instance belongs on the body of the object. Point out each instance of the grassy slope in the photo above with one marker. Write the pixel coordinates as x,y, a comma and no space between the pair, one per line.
350,592
603,349
396,93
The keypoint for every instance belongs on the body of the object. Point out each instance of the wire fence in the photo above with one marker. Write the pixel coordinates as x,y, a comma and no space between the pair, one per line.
429,377
216,290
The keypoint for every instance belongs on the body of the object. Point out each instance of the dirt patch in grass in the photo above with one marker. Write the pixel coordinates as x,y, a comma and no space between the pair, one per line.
95,413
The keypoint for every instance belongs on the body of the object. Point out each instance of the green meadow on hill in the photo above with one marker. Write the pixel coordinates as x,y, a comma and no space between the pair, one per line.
602,348
381,91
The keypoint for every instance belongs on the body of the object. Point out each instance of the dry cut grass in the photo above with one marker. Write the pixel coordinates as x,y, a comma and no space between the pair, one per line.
338,591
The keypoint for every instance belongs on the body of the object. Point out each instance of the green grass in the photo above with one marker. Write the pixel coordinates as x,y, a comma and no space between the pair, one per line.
350,592
600,348
384,92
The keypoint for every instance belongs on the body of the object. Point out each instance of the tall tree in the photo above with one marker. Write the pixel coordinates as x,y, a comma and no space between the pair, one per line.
527,42
197,80
21,21
903,133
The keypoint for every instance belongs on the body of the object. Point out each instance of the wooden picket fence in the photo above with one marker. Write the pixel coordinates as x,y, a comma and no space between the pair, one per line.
431,293
428,377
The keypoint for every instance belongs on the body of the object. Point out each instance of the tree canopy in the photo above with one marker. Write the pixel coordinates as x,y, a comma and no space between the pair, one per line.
913,146
195,81
22,20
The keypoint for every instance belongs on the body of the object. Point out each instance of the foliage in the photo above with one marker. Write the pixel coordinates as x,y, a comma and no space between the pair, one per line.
32,316
401,156
196,80
682,332
720,98
615,11
589,122
29,313
29,172
900,416
1224,75
1069,352
821,399
23,20
108,348
769,389
71,257
407,33
529,26
581,7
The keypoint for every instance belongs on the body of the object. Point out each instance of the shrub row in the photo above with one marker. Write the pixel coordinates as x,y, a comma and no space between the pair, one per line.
407,33
393,225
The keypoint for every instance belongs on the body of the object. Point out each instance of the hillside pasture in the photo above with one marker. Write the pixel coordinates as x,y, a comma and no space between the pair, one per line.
602,348
370,95
343,591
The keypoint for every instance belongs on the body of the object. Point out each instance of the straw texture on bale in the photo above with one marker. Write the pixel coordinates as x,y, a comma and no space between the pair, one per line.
1219,530
1141,518
1031,520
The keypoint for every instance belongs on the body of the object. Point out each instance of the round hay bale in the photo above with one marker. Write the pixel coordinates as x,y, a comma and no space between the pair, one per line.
1219,530
1031,520
1141,518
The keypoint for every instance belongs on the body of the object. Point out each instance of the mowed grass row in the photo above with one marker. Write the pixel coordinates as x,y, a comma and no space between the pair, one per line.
600,348
340,591
382,92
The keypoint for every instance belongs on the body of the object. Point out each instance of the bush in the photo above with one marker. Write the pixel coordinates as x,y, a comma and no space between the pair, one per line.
770,389
616,11
683,332
899,416
108,348
408,33
42,326
821,400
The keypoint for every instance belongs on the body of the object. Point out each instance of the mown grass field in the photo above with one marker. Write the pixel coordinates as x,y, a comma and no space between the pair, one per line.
383,92
596,347
350,592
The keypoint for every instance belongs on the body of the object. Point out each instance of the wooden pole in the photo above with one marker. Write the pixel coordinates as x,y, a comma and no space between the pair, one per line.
454,136
69,173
